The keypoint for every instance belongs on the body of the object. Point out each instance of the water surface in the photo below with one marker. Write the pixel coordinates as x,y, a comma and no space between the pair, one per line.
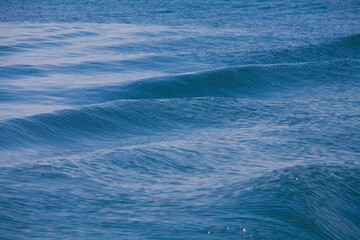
179,119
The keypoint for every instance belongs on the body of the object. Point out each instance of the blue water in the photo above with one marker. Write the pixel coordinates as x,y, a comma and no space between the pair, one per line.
180,119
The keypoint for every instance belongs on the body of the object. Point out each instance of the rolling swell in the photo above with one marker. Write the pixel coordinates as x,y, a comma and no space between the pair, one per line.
117,119
298,202
252,81
286,71
342,48
270,73
143,107
317,200
228,82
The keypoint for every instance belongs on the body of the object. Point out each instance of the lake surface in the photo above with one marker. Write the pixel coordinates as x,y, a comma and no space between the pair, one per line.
179,119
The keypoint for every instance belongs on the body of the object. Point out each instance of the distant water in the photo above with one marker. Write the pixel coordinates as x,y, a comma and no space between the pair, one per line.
180,119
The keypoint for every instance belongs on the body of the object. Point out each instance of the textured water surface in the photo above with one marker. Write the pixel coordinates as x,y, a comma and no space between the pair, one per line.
180,119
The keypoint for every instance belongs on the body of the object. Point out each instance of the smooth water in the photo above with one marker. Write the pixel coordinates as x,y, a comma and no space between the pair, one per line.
180,119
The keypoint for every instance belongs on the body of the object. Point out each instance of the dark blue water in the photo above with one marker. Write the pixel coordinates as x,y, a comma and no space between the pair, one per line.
180,119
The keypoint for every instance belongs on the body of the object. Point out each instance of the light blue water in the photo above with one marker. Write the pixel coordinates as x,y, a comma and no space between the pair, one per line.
179,119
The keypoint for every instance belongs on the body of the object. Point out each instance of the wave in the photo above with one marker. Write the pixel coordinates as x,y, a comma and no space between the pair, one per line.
227,82
143,106
313,201
342,48
299,202
110,121
244,81
154,105
283,70
223,82
129,109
